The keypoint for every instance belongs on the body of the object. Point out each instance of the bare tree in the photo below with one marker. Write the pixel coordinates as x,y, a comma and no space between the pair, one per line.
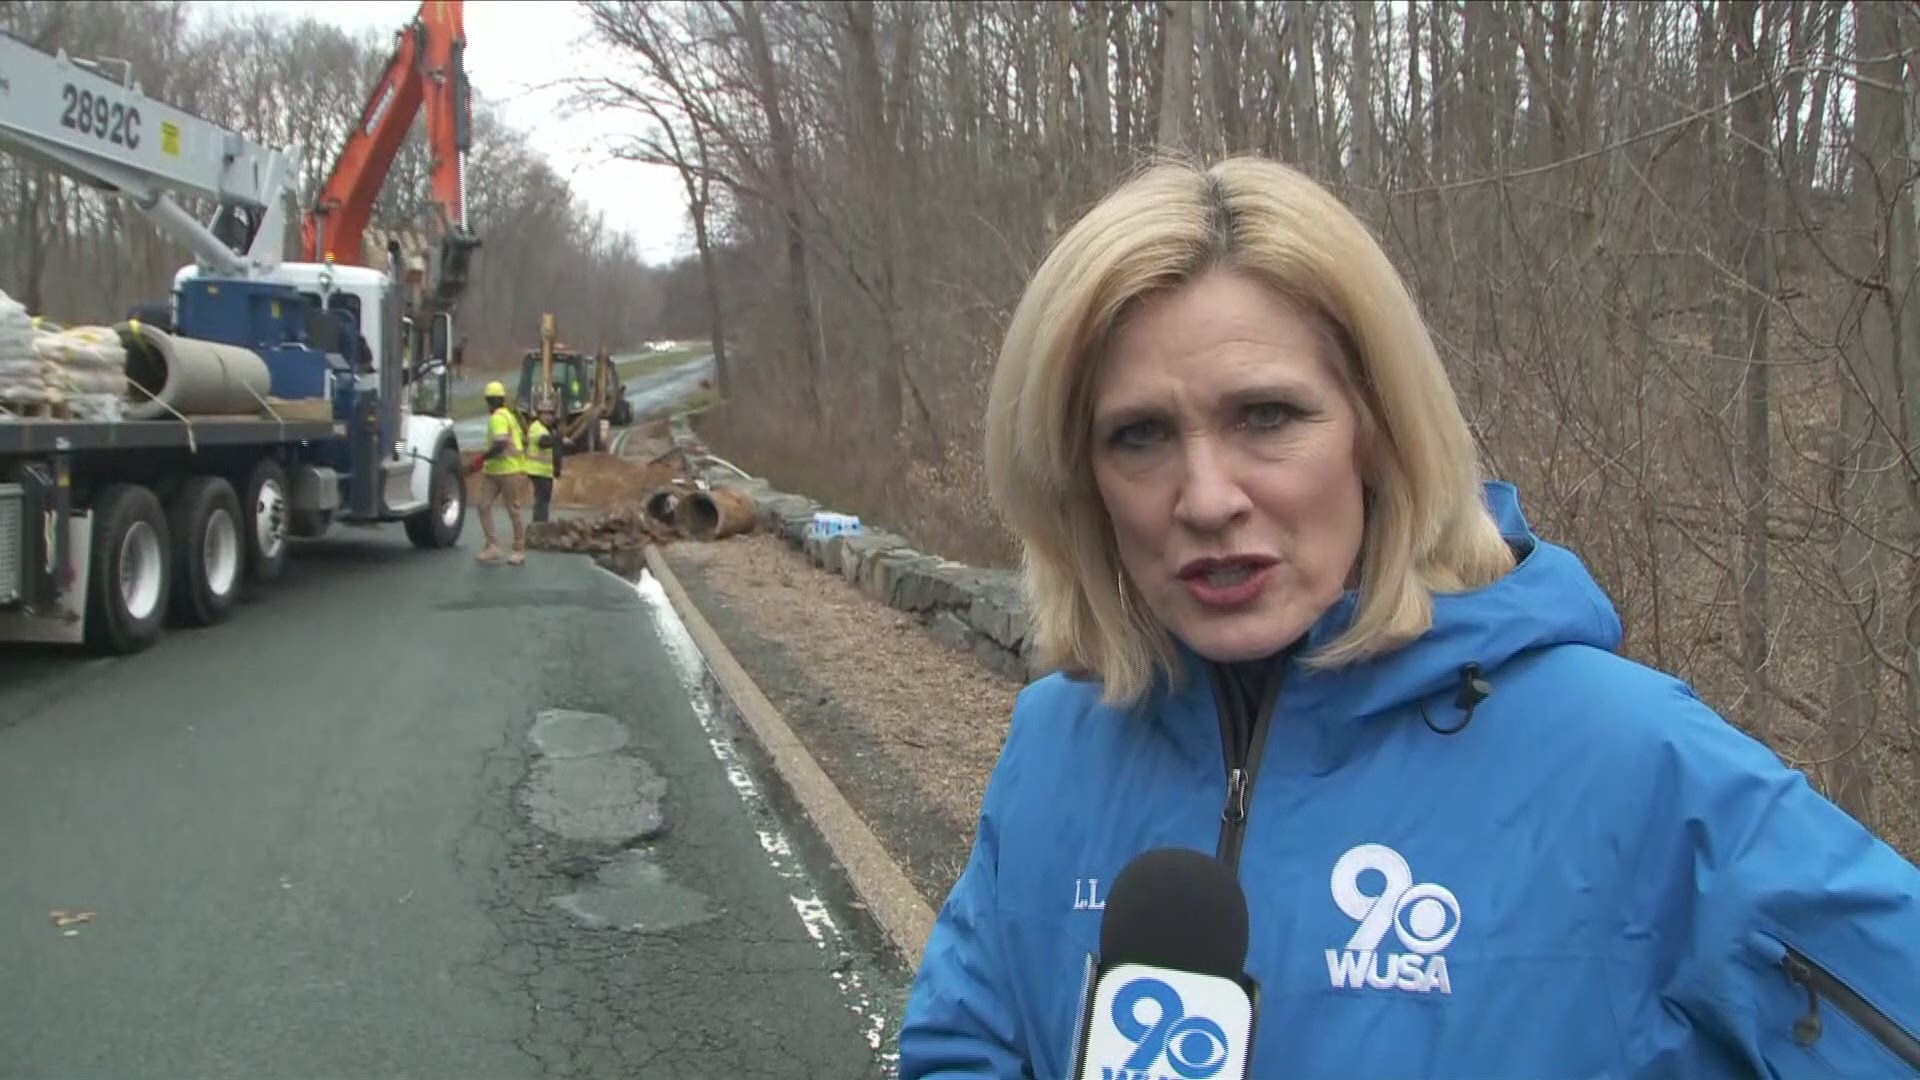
781,147
1176,75
679,139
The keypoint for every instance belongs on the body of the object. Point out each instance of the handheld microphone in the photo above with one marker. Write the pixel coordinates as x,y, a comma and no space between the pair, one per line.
1168,996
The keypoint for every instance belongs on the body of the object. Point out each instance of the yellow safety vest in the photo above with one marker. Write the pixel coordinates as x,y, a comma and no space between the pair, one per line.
503,424
539,458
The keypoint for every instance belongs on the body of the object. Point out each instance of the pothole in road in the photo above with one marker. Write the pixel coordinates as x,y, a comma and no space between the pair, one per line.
569,733
581,787
631,893
604,799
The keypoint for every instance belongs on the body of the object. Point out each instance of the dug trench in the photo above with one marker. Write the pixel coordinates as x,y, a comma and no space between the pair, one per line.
613,507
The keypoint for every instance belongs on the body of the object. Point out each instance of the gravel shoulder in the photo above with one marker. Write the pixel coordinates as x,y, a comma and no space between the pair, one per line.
907,726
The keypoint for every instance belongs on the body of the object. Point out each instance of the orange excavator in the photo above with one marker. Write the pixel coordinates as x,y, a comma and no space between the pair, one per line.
428,68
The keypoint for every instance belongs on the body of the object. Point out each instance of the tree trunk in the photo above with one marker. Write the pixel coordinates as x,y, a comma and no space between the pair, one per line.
699,198
1122,77
31,191
1752,125
1439,168
1853,686
1306,90
1799,29
787,193
1207,79
876,152
1807,152
1866,448
1176,77
1419,168
1093,71
1331,165
1360,94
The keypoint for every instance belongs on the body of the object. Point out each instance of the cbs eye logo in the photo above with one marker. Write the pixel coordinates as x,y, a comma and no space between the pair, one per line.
1194,1046
1423,915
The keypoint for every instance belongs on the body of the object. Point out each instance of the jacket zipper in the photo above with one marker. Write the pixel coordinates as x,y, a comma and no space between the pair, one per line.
1820,983
1243,763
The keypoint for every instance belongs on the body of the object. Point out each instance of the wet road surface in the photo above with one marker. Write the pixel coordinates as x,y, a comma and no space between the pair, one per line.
406,815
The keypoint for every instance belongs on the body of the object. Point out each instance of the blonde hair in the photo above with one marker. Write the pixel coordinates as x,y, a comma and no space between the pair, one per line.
1427,530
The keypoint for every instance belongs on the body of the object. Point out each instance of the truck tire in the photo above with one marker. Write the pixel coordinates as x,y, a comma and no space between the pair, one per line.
129,572
439,525
264,512
209,546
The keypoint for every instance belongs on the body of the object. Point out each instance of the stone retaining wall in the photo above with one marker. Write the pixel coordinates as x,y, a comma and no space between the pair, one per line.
979,611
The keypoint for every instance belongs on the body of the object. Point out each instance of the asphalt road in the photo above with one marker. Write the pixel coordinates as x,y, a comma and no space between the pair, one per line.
409,816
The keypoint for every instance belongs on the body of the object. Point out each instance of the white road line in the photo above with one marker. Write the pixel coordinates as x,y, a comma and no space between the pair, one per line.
812,911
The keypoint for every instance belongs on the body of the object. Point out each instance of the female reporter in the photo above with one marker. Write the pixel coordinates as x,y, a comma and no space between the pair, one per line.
1297,629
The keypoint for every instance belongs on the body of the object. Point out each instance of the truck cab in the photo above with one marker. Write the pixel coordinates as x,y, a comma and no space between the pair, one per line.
362,303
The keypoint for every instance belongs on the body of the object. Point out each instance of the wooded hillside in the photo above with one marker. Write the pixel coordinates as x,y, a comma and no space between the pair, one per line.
1667,250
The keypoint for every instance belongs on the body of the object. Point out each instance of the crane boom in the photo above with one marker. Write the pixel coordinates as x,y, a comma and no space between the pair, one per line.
113,137
427,69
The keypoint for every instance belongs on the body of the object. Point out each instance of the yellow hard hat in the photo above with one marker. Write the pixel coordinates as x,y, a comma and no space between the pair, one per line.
494,389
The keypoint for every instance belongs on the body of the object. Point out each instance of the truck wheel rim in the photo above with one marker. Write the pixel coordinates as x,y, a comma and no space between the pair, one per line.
140,571
450,503
220,553
270,519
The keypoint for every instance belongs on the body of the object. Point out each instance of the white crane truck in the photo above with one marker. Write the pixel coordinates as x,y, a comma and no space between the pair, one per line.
109,527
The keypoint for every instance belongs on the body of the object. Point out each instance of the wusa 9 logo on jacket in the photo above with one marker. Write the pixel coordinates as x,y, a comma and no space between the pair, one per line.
1153,1023
1374,886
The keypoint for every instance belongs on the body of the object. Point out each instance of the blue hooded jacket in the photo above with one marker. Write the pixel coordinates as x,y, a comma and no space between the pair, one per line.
1596,876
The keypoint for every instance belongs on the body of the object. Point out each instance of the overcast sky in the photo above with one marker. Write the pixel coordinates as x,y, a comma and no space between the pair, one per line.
513,48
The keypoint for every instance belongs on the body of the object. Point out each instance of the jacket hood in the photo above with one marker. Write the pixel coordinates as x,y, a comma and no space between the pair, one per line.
1548,599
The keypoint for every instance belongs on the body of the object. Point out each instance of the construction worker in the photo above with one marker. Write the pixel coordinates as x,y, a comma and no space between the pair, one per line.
543,459
504,476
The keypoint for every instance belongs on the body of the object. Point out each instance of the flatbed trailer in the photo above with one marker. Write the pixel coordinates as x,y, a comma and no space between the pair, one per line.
35,436
111,529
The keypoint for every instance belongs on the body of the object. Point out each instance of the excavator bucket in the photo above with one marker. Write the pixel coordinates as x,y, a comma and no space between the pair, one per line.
452,267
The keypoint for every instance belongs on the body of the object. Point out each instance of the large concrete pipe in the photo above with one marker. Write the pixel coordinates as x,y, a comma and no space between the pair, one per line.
717,514
190,376
663,507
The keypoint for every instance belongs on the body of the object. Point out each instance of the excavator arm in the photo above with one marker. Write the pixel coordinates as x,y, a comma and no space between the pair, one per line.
428,68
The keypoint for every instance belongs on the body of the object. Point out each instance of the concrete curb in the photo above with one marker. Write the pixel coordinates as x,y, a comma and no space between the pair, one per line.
903,914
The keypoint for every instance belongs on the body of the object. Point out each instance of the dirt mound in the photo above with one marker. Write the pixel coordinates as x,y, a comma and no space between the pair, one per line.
593,481
616,538
600,481
598,534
